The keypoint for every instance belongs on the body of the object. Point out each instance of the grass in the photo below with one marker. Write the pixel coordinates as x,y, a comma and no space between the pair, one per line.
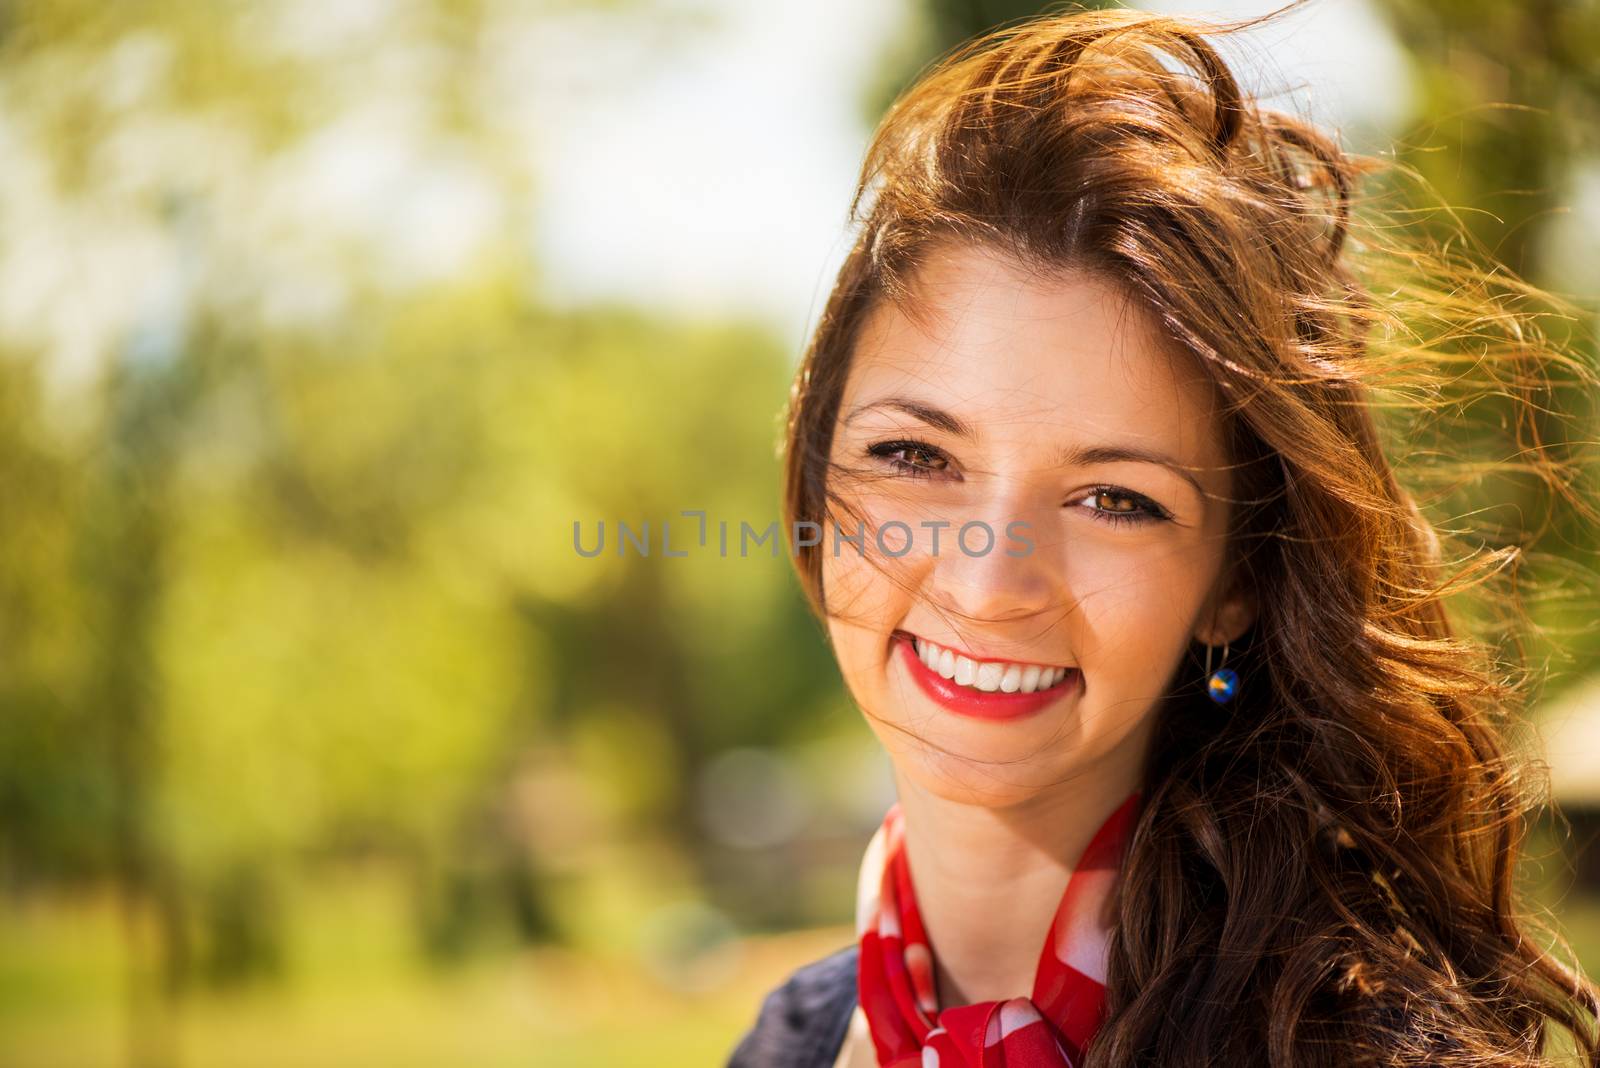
356,994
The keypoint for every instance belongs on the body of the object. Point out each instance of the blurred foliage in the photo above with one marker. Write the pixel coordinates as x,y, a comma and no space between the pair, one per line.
937,28
311,717
292,457
1507,131
1514,91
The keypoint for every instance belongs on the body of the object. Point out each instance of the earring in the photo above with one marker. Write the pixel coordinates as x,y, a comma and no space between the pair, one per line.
1222,684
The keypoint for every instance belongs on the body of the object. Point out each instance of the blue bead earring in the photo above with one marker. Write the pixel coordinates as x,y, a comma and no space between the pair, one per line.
1222,684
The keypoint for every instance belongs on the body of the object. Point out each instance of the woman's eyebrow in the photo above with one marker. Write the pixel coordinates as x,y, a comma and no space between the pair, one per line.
1070,456
1076,455
935,417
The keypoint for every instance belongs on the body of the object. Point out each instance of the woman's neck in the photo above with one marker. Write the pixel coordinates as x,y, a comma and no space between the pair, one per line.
989,881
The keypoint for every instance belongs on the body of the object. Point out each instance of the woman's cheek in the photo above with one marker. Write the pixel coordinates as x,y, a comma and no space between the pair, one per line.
855,590
1135,605
863,606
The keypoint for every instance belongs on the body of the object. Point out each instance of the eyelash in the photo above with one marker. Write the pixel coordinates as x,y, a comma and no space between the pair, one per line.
1148,511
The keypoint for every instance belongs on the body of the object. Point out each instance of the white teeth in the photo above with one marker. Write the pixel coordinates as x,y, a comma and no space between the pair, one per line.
1030,678
987,675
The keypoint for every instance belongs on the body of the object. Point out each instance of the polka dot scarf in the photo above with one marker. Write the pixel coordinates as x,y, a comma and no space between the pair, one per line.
1051,1029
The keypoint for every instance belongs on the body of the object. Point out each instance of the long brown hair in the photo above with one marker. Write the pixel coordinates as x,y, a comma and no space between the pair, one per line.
1325,873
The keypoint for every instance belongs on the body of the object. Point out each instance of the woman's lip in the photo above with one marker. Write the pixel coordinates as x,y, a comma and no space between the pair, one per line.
981,704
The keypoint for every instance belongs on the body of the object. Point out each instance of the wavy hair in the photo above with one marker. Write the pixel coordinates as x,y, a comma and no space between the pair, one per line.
1323,874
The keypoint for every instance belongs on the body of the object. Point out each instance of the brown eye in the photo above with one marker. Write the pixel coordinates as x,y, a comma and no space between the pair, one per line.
1117,503
911,458
917,457
1112,505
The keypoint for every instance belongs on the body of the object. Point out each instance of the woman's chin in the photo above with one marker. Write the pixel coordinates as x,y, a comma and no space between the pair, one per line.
962,777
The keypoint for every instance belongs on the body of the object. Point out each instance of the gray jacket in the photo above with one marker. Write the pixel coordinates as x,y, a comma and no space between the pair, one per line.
802,1023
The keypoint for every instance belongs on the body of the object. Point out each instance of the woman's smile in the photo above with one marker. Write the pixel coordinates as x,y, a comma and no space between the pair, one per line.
986,689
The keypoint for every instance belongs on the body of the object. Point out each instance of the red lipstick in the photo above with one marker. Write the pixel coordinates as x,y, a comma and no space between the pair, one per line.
982,704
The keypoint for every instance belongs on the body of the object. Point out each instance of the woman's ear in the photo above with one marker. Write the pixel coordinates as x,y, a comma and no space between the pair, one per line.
1229,616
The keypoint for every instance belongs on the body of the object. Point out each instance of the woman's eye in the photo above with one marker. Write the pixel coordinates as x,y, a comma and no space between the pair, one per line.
912,458
1110,504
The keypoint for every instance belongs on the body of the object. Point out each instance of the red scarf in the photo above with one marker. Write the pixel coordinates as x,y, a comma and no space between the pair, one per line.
896,978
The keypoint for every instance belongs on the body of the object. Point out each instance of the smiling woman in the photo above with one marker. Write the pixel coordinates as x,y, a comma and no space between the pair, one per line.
1057,405
1103,302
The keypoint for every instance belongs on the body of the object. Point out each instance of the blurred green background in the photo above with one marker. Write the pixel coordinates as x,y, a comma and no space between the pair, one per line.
321,323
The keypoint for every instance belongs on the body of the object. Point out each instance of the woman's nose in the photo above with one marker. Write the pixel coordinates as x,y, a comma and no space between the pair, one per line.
996,567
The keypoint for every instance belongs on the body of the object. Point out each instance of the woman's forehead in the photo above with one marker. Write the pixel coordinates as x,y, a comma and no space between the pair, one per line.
1001,343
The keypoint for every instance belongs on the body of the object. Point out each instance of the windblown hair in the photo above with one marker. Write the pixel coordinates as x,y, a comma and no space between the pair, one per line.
1324,872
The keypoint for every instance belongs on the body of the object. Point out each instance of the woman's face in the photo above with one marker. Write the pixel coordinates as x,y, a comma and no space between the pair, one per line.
1050,414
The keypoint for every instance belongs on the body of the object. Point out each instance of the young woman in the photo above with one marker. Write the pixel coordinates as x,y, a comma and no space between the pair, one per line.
1193,767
